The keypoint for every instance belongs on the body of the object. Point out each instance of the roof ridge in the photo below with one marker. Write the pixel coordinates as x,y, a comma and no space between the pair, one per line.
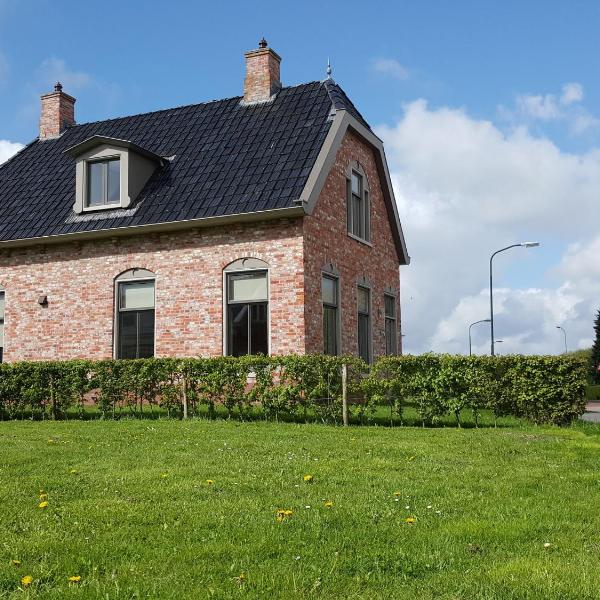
181,106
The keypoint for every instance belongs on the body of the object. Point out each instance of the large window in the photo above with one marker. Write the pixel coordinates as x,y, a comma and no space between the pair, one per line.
247,313
104,182
391,333
364,323
135,318
358,207
329,292
1,325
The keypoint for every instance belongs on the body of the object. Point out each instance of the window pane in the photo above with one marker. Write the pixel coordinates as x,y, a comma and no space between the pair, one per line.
1,335
329,290
95,192
390,336
127,346
363,337
248,287
237,325
330,334
356,183
259,337
137,295
363,300
357,217
390,306
113,188
145,334
1,305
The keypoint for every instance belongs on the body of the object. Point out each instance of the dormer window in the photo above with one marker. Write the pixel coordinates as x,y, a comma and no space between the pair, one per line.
103,182
110,174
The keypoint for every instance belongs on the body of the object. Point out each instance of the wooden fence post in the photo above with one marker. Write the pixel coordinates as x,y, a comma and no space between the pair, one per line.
184,397
345,394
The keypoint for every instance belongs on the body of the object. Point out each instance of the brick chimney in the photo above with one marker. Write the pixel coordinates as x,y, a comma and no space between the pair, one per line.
58,113
262,74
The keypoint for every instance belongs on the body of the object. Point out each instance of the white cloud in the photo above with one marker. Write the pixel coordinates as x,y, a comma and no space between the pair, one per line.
391,67
571,92
565,108
55,69
464,189
7,149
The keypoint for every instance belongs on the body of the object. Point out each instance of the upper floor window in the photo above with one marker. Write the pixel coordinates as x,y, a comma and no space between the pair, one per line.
364,323
391,333
1,325
103,182
330,294
247,313
358,207
135,314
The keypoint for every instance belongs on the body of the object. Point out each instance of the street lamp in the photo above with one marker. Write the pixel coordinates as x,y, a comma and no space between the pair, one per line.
471,325
522,245
565,334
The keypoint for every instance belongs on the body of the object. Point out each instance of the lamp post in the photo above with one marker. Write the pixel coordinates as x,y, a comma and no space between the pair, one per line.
565,334
471,325
523,245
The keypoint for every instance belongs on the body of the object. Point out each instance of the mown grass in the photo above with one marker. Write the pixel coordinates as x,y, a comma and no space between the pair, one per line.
131,512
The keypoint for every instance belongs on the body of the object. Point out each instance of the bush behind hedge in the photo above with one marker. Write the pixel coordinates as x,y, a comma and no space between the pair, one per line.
543,389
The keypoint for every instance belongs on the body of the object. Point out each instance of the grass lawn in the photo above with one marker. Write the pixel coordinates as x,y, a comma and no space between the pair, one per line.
131,512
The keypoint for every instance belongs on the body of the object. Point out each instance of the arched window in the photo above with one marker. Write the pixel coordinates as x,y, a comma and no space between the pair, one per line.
359,208
134,304
1,324
246,307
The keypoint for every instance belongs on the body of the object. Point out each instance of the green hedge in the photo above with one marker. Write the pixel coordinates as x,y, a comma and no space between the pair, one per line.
544,389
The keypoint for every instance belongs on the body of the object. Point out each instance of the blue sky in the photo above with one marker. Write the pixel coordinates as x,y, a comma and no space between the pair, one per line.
512,81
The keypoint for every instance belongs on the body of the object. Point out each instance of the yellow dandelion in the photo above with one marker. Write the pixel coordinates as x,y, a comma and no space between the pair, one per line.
51,441
75,578
73,471
209,482
282,514
308,478
397,494
241,578
410,520
328,504
15,563
43,504
27,580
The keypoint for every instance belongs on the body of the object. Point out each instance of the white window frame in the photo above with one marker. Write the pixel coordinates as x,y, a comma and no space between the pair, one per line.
129,276
247,264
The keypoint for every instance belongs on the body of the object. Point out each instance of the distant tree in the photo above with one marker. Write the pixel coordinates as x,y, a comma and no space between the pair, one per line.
595,357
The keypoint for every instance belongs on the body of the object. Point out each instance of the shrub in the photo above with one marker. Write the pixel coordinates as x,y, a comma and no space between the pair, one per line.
544,389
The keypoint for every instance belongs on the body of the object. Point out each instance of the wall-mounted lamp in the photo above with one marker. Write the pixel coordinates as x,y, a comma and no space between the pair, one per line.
43,300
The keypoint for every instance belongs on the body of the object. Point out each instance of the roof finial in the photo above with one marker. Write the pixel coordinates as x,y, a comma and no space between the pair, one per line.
329,69
58,87
263,43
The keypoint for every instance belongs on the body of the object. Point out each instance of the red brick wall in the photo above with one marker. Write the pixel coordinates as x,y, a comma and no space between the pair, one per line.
78,279
326,241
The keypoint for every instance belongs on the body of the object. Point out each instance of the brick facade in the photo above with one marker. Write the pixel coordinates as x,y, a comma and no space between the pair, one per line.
79,282
78,279
326,241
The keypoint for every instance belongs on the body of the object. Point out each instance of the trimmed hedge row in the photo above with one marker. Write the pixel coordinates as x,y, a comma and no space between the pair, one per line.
544,389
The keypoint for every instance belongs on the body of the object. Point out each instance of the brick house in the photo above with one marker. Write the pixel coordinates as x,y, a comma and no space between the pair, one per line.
259,224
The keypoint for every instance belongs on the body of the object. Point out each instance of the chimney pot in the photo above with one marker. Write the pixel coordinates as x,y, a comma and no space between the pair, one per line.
58,113
262,80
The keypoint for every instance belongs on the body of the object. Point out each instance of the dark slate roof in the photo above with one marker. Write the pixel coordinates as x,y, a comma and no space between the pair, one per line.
227,159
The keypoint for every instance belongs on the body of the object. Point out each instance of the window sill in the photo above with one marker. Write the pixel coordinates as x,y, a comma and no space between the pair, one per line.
355,237
103,207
